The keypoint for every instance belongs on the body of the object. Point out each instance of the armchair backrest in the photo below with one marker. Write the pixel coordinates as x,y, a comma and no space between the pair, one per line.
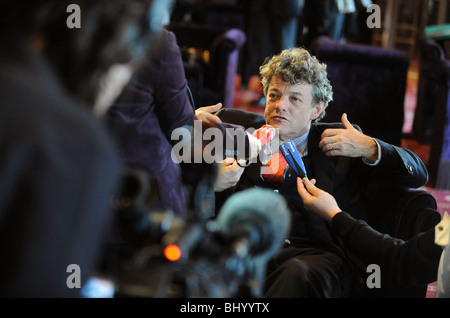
369,84
212,80
432,114
431,61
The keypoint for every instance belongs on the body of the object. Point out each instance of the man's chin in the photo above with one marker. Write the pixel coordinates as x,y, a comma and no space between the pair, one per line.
273,123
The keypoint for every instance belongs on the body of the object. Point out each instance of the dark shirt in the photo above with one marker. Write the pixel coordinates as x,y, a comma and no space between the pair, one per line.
343,177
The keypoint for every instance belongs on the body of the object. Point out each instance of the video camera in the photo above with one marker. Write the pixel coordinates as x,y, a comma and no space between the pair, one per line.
172,257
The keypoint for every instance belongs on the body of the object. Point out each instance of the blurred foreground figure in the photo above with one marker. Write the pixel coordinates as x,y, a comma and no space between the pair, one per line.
57,168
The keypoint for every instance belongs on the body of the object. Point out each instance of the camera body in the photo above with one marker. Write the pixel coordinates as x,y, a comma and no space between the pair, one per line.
224,256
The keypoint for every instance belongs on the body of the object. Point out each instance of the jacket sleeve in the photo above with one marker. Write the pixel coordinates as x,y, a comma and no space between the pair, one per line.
402,166
414,262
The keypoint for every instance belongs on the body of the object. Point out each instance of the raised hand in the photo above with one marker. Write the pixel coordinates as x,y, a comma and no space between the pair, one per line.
348,142
206,114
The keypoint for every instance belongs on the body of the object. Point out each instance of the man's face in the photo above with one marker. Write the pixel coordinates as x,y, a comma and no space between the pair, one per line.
289,108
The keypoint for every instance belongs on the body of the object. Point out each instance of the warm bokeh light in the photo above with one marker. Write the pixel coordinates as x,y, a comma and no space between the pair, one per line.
172,252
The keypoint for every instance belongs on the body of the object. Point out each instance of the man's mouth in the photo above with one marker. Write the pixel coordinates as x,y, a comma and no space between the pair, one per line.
279,118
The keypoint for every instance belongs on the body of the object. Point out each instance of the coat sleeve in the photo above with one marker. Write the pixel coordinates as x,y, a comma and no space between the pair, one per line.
414,262
402,166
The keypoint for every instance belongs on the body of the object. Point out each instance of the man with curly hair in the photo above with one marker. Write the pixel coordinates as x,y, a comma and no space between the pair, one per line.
339,156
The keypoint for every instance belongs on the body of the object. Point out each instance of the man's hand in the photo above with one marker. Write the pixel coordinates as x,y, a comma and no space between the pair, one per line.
348,142
316,200
229,174
206,114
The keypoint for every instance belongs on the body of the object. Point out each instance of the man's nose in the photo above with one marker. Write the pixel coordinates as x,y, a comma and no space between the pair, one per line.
280,105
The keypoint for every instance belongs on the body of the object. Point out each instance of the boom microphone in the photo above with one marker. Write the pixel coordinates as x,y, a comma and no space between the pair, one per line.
259,218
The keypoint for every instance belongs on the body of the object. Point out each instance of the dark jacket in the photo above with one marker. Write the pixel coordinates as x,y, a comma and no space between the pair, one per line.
343,177
57,174
412,263
154,103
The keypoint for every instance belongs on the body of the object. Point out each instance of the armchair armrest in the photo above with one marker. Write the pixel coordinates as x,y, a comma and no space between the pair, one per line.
219,65
400,211
241,117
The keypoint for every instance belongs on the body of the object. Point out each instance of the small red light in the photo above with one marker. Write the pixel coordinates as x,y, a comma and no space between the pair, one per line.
172,252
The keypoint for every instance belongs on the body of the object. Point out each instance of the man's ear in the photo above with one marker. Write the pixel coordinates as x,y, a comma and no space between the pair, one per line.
317,110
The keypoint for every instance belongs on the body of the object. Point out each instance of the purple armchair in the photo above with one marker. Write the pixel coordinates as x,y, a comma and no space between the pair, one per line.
369,84
432,114
399,211
211,79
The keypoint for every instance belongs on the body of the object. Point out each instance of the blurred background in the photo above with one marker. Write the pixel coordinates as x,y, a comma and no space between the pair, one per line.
398,90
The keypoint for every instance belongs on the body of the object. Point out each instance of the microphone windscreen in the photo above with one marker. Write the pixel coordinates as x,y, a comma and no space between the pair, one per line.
265,134
262,213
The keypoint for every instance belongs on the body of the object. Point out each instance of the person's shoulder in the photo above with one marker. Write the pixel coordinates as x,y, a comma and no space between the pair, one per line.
164,44
320,126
